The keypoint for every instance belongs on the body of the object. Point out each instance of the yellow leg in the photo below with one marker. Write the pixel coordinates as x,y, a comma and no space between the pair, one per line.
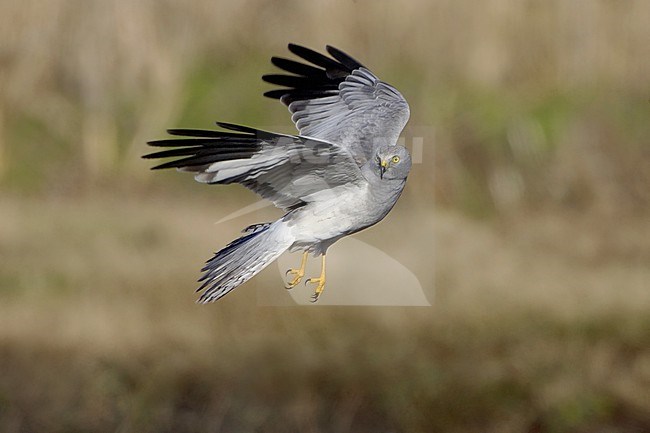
299,273
320,281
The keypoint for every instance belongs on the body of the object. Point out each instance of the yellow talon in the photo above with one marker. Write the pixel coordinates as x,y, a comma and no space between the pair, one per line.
299,273
320,281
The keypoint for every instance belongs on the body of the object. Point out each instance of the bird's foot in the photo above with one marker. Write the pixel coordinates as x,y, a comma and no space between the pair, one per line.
320,281
299,273
320,286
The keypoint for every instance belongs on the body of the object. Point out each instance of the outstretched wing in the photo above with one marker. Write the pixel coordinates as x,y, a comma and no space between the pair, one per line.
337,99
288,170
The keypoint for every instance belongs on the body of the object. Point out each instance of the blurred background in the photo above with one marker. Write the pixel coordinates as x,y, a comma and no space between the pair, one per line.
527,222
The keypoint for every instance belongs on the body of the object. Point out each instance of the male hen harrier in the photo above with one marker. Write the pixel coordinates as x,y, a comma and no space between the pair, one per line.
341,174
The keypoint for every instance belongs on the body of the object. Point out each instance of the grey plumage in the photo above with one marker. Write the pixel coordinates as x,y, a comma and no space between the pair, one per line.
242,259
343,102
342,174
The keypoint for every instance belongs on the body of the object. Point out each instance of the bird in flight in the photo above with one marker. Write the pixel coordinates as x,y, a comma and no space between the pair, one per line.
342,172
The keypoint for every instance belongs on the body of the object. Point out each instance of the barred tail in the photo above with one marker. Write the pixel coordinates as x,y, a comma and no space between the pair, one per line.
243,258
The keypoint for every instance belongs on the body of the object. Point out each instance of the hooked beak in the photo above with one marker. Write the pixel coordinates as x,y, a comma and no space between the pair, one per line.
382,168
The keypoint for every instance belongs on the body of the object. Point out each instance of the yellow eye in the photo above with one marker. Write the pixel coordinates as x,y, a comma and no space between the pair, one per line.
395,159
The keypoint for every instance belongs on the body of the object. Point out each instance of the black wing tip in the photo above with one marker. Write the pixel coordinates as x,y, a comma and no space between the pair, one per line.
187,132
280,61
200,147
317,76
164,166
175,163
344,58
292,46
297,49
338,56
276,94
273,78
236,127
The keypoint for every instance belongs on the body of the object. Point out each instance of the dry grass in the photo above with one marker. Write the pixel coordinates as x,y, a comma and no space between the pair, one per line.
525,103
535,326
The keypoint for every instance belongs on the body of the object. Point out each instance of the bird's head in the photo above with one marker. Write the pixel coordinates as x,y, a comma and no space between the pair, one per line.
393,162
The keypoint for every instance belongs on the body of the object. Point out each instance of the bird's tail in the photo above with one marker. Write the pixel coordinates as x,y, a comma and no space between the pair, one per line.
243,258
